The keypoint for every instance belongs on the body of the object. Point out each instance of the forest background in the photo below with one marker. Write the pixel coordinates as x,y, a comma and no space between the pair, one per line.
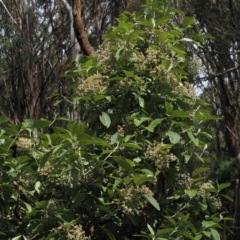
102,135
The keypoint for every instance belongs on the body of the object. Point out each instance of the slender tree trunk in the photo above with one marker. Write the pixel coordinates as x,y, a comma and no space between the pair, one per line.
79,28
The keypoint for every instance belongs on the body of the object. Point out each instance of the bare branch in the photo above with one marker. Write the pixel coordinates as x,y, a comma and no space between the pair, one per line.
218,74
8,12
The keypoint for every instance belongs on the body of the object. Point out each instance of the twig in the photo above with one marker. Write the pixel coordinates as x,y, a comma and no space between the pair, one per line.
219,74
110,154
8,12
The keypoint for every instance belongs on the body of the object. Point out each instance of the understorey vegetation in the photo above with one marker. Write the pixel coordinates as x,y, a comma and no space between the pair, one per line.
135,164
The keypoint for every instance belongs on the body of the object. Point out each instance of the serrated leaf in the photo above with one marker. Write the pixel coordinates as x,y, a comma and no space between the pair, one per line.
164,231
117,55
206,233
141,102
194,140
42,204
168,107
223,185
153,201
16,238
188,21
138,122
86,139
154,124
226,197
105,119
191,193
99,97
171,220
124,163
163,36
28,206
37,186
179,113
198,171
114,138
173,137
109,234
128,137
150,229
167,64
215,234
186,40
138,179
41,123
188,235
132,145
4,119
208,224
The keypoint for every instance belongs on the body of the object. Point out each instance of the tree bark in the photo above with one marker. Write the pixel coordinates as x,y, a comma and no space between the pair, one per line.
79,29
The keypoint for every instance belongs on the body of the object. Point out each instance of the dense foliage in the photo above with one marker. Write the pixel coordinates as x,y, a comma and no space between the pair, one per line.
134,166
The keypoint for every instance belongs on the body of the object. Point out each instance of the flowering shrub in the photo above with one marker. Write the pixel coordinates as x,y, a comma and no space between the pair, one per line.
134,169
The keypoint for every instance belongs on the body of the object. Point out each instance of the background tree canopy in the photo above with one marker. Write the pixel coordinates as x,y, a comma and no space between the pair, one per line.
102,135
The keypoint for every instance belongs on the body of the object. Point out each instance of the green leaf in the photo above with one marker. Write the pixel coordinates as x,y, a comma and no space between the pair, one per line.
16,238
188,21
223,185
78,199
215,234
42,204
2,234
128,73
41,123
167,64
191,193
125,163
206,233
207,35
171,220
86,139
141,101
168,107
132,145
163,36
141,120
45,158
150,229
117,55
208,224
194,140
109,234
152,201
114,138
164,231
37,186
198,171
179,71
198,237
97,98
4,119
28,206
173,137
140,178
179,113
186,40
188,235
154,124
190,225
226,197
128,137
105,119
